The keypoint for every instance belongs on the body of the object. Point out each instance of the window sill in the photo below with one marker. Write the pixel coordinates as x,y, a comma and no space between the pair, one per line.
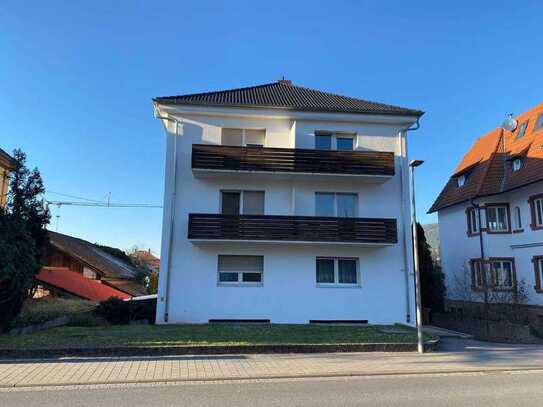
240,284
325,285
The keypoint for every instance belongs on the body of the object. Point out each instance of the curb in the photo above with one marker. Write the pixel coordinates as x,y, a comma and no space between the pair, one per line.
429,346
278,377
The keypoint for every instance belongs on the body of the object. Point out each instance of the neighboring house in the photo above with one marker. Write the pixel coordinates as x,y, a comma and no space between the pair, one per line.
61,281
7,164
67,255
285,204
502,174
146,259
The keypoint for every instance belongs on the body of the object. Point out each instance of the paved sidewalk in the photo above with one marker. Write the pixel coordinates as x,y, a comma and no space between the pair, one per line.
464,356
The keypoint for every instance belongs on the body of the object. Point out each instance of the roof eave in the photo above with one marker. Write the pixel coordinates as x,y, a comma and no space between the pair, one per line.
407,112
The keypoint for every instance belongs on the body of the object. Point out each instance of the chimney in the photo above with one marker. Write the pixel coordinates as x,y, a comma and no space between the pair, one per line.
284,81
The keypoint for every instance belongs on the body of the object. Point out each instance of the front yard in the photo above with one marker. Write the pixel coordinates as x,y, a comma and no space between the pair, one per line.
152,336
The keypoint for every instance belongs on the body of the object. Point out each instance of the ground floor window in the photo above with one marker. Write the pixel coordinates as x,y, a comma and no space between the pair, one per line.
502,273
240,270
337,271
498,273
538,268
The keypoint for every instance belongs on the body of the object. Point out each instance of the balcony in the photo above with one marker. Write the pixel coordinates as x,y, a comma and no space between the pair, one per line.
213,160
291,229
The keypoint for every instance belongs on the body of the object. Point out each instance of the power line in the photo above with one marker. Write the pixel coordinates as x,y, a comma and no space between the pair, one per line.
71,196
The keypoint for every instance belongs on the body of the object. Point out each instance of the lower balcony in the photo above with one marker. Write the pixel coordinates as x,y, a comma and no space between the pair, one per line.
291,229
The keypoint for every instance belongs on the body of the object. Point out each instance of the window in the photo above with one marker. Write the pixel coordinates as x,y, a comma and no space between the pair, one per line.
518,218
497,218
323,141
243,137
502,273
536,207
337,271
539,122
522,130
329,141
345,143
517,164
473,221
240,270
335,204
538,269
88,273
242,202
477,274
461,181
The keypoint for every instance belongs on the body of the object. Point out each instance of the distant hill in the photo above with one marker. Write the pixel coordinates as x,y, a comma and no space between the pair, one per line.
431,231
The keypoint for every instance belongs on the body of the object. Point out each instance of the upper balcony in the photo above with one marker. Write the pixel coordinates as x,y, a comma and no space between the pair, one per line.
213,160
214,228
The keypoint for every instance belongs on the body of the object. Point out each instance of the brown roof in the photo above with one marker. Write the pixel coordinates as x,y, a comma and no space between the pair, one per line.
284,95
487,165
131,287
110,266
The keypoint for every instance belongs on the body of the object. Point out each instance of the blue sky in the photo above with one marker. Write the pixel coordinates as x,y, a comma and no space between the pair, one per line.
77,78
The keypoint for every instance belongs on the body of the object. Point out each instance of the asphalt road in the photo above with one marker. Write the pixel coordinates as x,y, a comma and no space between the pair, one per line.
480,390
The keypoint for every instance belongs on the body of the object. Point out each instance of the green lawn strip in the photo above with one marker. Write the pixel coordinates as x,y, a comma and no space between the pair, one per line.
199,335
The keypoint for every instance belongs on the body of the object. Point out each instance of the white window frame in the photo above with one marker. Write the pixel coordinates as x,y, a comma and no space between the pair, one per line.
474,221
538,216
240,282
507,220
461,180
522,129
517,164
335,194
501,273
241,192
244,135
334,136
518,218
336,283
479,270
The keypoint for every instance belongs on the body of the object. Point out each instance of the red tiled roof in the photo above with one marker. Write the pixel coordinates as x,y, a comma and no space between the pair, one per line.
75,284
487,164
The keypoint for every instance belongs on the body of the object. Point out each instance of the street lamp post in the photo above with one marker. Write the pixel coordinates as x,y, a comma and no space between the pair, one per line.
420,344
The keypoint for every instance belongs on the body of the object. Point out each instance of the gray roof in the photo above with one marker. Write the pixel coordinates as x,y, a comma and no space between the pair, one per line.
284,95
110,266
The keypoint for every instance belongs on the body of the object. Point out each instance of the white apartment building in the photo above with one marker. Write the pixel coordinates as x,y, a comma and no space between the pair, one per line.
285,204
491,218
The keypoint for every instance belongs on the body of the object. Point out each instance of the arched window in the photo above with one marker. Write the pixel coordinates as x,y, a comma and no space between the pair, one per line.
518,218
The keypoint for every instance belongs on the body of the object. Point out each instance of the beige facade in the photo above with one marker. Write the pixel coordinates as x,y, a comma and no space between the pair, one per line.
6,166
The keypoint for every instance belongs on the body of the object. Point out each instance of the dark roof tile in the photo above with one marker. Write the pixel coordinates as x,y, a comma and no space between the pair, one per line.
284,95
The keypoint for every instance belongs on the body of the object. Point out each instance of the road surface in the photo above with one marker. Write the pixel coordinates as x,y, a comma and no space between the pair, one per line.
480,390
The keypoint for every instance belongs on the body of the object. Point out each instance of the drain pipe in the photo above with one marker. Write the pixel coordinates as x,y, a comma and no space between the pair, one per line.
166,296
403,151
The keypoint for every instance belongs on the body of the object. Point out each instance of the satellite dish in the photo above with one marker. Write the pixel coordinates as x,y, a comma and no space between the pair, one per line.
509,124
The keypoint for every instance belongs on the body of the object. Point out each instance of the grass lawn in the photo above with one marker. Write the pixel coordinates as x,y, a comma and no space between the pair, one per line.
205,334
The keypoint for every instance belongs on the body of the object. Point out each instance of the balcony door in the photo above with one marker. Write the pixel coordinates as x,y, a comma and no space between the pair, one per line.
242,202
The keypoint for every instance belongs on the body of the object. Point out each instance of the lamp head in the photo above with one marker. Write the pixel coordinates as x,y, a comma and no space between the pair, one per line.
416,163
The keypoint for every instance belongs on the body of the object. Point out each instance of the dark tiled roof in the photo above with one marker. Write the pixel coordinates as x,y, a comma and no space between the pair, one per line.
487,164
110,266
284,95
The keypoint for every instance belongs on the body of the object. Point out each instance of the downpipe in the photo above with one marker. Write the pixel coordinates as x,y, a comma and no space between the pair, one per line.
403,151
173,197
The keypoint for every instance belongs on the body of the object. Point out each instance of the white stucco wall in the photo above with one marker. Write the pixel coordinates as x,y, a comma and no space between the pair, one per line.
457,248
289,293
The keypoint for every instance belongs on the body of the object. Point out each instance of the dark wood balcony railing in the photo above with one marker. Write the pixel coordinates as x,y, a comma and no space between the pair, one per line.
291,160
292,228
